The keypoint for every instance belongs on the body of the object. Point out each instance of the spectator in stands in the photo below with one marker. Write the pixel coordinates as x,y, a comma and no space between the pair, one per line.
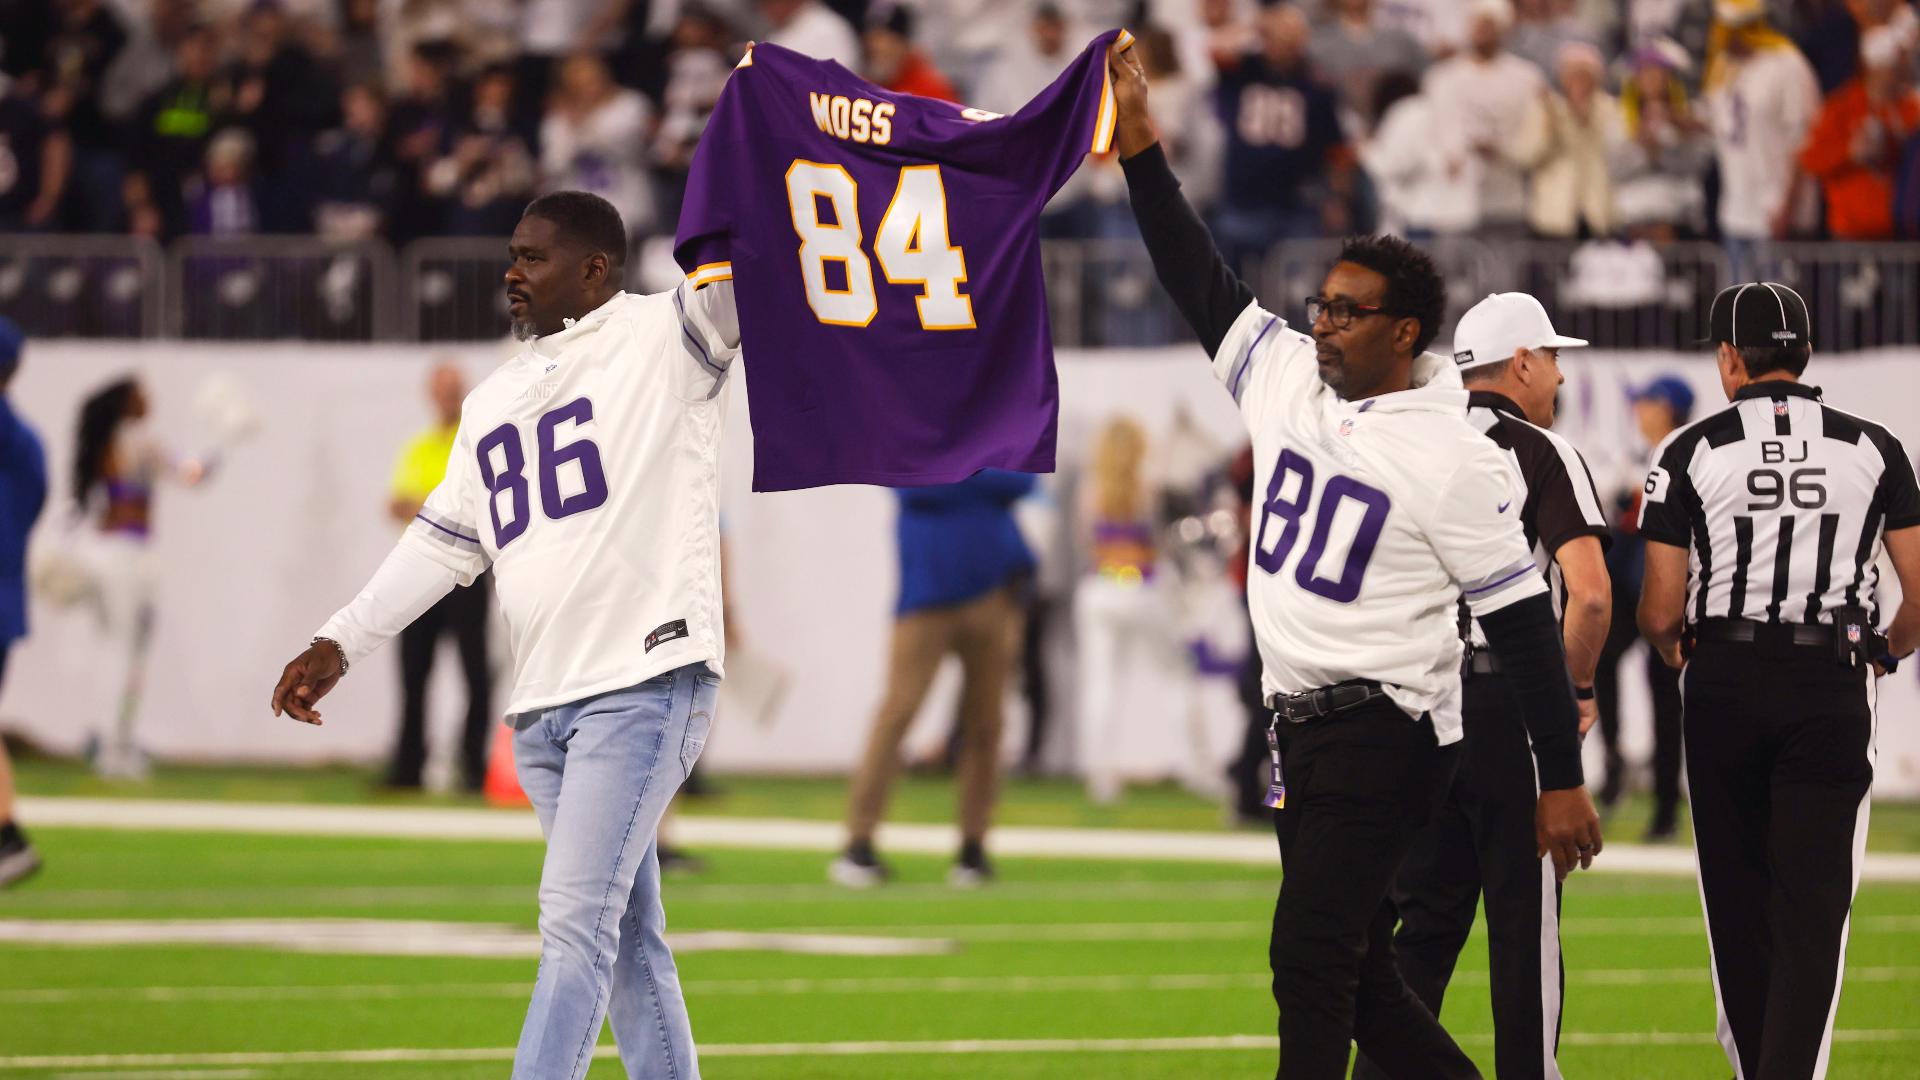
892,62
1564,142
88,36
1479,98
358,54
284,98
1026,66
358,179
1761,98
1352,50
1659,163
36,160
1440,26
595,138
484,175
551,32
1542,28
1425,175
697,69
810,27
169,139
1288,171
1856,144
1184,115
144,65
223,201
419,122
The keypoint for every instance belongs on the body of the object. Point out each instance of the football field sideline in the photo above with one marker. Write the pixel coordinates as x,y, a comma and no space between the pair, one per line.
778,834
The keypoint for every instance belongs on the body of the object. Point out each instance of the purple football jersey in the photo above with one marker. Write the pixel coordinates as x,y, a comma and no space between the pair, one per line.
885,255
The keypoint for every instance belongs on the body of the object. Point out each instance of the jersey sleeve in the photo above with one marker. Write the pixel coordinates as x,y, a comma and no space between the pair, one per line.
1476,532
709,334
447,528
1050,135
1899,493
1568,504
1668,498
703,242
1255,356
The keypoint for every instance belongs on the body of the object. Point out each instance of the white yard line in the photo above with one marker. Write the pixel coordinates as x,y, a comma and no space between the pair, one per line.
843,1049
959,984
440,823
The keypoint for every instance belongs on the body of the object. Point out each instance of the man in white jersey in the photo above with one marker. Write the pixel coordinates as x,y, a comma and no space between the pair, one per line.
584,473
1380,508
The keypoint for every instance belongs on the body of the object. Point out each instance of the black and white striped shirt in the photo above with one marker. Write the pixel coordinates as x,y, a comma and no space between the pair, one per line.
1782,501
1560,501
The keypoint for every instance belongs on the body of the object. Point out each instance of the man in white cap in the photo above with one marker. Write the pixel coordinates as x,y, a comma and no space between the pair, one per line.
1482,839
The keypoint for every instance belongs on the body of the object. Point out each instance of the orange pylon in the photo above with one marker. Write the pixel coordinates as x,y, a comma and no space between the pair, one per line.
503,786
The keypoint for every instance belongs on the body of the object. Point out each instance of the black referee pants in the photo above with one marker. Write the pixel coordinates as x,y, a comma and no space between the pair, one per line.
1360,784
1482,841
1779,764
462,614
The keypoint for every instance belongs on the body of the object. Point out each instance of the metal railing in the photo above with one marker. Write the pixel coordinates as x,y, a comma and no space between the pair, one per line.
1101,292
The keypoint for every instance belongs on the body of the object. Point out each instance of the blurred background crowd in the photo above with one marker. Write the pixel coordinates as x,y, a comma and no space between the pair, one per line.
1742,120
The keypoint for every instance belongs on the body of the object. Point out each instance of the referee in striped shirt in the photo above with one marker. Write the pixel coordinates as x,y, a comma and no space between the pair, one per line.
1764,522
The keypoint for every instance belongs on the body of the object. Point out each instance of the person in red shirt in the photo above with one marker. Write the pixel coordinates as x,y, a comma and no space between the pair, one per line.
892,62
1855,145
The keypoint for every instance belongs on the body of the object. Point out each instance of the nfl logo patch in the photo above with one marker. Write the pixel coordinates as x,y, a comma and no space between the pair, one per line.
1346,426
1779,408
1853,633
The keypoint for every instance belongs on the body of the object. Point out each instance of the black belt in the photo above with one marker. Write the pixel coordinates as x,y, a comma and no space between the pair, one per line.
1746,631
1327,700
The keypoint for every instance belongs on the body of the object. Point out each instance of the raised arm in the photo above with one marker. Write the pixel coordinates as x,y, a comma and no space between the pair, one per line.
1188,264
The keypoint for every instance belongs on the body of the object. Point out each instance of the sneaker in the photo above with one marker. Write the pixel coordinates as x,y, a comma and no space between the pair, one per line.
971,870
675,860
18,860
858,868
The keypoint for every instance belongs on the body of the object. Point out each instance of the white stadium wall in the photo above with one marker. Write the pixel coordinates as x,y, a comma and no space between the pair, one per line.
252,562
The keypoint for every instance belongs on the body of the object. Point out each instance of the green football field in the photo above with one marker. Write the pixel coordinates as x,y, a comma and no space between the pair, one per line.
1065,968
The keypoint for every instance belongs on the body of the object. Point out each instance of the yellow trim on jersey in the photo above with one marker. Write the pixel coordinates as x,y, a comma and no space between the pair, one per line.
708,273
1104,122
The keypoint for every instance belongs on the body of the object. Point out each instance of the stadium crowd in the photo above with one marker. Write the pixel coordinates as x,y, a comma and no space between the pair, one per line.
1743,120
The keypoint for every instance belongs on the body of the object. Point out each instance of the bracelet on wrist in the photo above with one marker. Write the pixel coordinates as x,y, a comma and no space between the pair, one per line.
338,650
1583,693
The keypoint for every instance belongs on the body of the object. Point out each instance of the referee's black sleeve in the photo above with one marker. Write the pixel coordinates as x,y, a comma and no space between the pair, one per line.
1668,501
1185,259
1898,491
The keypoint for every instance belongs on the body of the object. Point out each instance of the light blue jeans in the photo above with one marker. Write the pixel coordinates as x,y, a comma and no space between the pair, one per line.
600,773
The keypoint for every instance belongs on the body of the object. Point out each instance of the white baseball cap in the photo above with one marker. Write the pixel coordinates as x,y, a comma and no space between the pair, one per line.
1492,329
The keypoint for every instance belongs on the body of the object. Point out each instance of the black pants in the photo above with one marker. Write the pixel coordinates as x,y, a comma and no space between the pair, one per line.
1663,683
1482,841
1360,784
1779,763
462,613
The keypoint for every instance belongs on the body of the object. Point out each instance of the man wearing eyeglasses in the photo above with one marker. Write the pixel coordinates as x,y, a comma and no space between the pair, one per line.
1380,508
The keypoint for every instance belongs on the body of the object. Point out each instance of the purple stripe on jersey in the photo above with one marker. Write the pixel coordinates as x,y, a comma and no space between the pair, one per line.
1233,384
474,540
681,307
1517,573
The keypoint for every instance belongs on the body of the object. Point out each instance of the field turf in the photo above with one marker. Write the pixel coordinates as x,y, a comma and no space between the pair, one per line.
1062,969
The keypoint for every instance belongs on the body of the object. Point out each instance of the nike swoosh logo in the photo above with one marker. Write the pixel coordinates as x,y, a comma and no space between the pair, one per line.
1503,507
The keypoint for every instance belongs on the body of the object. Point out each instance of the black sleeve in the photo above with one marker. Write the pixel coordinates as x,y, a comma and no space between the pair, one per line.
1668,499
1190,268
1525,637
1559,513
1898,491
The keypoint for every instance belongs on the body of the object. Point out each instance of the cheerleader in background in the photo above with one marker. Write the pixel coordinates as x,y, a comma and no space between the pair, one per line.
117,464
1119,614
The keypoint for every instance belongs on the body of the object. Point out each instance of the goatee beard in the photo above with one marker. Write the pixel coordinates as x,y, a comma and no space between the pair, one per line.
523,330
